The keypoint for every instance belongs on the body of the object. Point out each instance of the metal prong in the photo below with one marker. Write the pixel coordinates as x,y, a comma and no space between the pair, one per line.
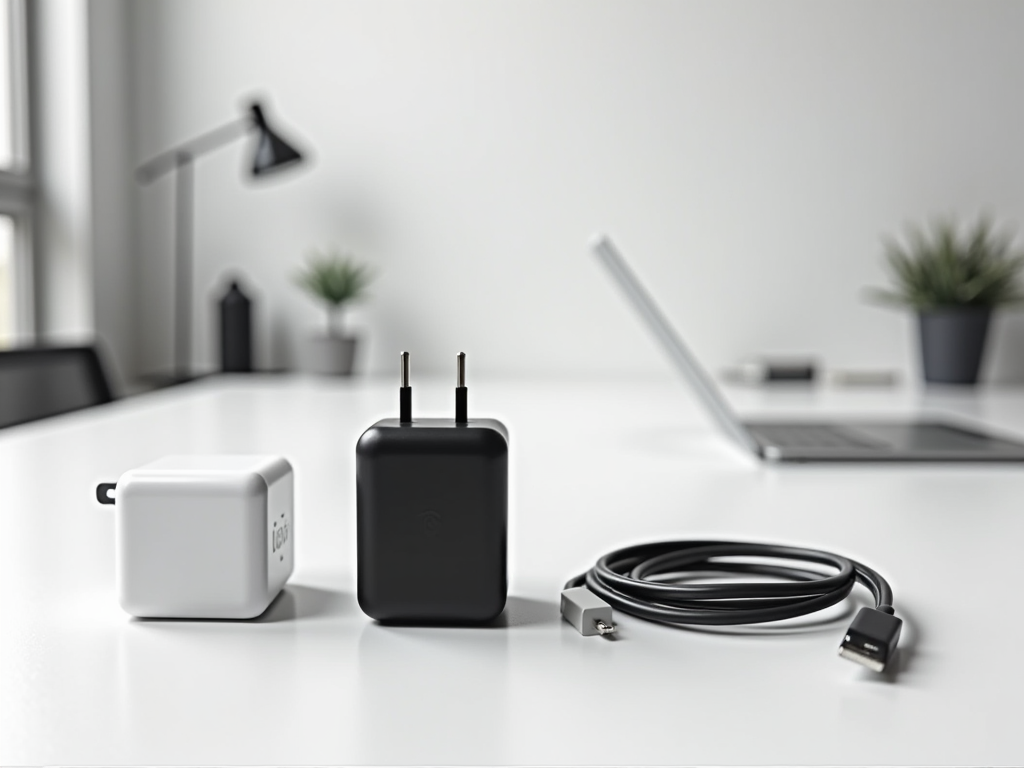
460,377
405,369
106,493
875,665
603,628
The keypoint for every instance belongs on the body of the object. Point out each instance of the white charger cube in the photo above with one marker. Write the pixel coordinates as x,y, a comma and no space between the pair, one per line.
204,537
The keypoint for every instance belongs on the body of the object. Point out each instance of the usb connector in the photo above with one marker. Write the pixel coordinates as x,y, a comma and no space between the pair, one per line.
871,639
587,612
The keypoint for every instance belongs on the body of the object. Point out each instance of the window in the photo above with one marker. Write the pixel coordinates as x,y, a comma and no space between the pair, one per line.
8,331
16,185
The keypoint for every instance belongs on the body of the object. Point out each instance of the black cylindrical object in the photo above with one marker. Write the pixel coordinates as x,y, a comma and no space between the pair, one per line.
952,343
235,331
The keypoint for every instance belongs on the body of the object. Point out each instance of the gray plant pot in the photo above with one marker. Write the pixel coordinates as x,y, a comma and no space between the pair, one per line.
329,355
952,343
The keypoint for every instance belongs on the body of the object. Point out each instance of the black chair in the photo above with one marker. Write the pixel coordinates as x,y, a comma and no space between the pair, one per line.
37,382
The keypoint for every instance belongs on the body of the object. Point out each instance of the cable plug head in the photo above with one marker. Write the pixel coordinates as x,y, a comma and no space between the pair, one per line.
871,639
587,612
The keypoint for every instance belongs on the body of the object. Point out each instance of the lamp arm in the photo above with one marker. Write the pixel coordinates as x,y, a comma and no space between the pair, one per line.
200,145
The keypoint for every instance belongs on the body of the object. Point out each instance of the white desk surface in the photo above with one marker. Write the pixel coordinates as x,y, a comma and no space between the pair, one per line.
594,466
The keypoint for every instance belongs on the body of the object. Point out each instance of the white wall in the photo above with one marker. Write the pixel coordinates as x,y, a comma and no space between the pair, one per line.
746,155
115,277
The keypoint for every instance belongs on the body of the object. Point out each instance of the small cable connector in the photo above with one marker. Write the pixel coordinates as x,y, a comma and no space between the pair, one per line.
405,393
461,405
872,637
587,612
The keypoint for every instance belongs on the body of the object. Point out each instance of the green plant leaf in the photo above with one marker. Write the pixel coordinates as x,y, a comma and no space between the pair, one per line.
334,278
943,268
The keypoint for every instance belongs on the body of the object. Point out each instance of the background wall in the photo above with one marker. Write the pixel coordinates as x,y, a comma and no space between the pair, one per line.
745,155
116,276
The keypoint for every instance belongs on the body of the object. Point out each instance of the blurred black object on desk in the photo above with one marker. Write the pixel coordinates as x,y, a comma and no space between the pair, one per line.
235,331
806,371
766,370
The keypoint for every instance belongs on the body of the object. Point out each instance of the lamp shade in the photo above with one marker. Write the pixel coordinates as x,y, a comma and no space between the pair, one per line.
272,152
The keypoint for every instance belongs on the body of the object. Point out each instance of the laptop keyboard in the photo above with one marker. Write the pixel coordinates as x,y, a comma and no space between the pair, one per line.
811,436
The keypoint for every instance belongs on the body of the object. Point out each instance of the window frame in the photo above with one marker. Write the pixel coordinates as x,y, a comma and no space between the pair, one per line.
18,198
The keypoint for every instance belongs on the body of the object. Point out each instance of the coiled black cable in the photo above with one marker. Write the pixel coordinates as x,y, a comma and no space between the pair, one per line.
649,581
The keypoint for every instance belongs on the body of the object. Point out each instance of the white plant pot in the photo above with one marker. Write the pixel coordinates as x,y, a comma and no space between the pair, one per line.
329,355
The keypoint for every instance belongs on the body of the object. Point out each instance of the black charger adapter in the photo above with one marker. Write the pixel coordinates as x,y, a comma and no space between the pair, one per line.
432,515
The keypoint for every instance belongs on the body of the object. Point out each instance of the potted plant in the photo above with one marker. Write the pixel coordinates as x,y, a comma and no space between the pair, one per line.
335,280
953,282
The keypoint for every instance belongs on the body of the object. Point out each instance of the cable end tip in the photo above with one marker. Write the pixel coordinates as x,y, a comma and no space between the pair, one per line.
605,629
871,639
587,612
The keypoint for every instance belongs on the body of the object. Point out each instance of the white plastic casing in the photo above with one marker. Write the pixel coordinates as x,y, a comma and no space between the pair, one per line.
204,536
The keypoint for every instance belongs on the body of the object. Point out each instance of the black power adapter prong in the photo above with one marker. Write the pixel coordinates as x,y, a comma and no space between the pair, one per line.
405,393
461,405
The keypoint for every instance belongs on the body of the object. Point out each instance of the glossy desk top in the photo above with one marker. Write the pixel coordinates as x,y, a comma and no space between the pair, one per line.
594,466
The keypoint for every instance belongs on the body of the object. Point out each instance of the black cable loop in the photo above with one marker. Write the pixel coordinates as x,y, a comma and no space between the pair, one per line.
644,580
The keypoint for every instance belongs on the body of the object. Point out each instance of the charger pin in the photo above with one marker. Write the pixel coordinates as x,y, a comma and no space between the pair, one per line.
461,406
405,393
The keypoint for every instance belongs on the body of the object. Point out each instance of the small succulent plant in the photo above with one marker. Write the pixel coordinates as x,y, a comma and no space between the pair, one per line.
335,279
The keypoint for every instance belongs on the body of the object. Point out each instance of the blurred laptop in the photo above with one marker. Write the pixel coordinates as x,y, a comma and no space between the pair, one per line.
869,440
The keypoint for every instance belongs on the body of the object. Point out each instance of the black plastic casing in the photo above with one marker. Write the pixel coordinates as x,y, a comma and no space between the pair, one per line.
874,634
432,521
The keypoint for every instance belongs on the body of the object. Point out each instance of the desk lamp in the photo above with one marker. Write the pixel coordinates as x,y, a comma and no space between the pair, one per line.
271,154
